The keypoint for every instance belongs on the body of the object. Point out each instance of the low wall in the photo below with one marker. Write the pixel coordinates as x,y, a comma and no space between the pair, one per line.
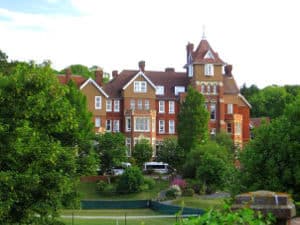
140,204
93,178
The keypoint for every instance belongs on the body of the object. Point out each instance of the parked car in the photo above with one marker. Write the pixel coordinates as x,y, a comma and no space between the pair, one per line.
119,170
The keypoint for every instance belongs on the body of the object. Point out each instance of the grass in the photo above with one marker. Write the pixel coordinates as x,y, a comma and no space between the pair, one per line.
88,191
198,201
117,212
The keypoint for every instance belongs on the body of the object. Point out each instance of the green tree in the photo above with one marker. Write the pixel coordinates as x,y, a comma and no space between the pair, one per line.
111,149
130,181
80,70
272,160
192,120
142,152
38,145
224,139
171,153
248,92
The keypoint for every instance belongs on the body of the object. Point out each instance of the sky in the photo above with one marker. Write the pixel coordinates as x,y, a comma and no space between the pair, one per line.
260,38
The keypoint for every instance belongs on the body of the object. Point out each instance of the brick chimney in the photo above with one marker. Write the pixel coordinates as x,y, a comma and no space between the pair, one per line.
114,73
99,76
228,69
68,74
169,69
142,66
189,50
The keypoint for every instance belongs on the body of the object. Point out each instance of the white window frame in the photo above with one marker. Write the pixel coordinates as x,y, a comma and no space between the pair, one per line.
128,145
97,122
161,106
132,104
147,104
208,89
140,104
171,126
108,125
108,105
202,88
161,126
214,89
116,127
160,90
98,102
140,86
209,69
229,108
213,111
128,124
116,105
237,129
171,107
179,89
142,124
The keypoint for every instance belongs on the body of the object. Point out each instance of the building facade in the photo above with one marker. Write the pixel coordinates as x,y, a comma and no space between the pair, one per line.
144,104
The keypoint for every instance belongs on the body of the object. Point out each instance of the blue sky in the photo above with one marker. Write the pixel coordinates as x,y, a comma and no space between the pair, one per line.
259,38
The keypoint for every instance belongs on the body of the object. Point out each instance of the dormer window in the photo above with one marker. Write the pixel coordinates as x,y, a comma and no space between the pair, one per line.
140,86
160,90
208,69
179,89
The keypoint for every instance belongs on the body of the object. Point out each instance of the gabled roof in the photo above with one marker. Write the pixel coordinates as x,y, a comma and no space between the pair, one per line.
230,86
256,122
140,73
90,80
202,50
168,79
78,80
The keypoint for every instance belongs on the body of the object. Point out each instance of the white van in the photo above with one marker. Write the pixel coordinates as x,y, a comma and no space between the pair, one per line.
119,170
158,167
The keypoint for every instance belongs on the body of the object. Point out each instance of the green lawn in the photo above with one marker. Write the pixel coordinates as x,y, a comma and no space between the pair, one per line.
198,201
88,191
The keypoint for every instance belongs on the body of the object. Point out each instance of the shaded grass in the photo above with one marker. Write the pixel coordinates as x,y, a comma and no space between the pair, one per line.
199,201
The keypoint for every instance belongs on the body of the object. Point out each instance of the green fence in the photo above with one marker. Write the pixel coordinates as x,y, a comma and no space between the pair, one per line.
140,204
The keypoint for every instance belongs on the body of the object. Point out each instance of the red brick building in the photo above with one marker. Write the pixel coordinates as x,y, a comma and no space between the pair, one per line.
145,104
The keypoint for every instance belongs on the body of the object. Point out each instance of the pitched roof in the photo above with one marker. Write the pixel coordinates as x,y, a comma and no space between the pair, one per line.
90,80
201,51
168,79
256,122
78,80
230,86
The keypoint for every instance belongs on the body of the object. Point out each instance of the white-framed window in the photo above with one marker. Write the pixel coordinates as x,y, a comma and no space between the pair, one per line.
229,128
202,88
147,104
116,105
97,102
160,90
140,86
208,55
229,108
213,112
140,104
128,124
108,125
128,145
171,126
208,89
190,70
208,69
171,107
215,89
161,106
161,125
179,89
97,122
116,126
108,105
237,129
132,104
142,124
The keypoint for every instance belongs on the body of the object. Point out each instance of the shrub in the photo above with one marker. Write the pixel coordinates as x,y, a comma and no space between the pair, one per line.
130,181
173,192
149,182
188,192
109,189
100,186
180,182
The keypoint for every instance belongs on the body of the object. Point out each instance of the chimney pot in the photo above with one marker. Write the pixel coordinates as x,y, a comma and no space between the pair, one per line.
228,70
169,69
142,66
99,76
115,73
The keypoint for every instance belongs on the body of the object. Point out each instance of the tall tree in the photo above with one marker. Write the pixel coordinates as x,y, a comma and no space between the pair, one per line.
38,144
80,70
192,120
142,152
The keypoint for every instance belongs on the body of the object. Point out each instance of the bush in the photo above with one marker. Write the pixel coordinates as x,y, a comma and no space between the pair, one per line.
131,181
110,189
188,192
149,183
173,192
180,182
100,186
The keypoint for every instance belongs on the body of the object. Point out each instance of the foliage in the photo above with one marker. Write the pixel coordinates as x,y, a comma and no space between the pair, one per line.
149,183
79,70
101,185
173,192
39,133
192,121
188,192
180,182
224,139
229,217
170,152
130,181
210,163
111,150
248,92
271,160
142,152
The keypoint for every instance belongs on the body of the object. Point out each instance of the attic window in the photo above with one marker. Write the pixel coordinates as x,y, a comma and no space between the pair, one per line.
160,90
209,55
208,69
179,89
140,86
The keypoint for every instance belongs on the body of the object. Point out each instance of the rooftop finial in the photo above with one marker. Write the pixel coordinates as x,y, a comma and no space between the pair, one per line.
203,33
